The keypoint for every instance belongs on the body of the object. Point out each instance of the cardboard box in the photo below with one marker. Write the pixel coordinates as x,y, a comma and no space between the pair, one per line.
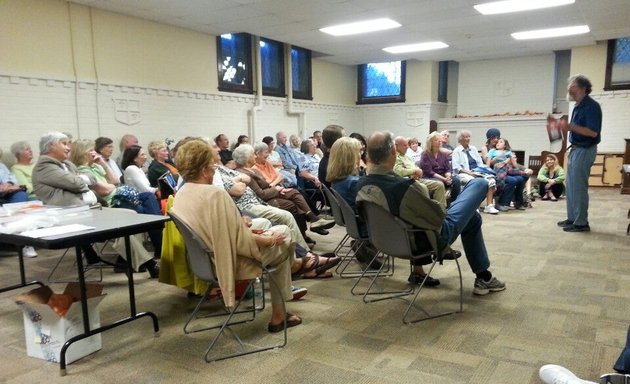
46,331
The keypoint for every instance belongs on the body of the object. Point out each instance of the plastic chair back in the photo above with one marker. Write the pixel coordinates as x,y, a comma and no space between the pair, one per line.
334,206
197,252
350,218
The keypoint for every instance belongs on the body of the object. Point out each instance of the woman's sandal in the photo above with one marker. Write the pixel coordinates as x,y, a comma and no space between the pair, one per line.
273,328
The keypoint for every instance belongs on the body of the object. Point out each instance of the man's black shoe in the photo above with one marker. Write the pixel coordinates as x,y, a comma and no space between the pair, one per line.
564,223
364,256
577,228
416,278
320,231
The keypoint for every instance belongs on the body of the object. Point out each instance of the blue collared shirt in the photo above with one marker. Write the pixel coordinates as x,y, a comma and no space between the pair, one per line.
6,176
588,114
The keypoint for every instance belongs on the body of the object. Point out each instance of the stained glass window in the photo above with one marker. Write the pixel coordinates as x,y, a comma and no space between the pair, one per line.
618,64
235,62
382,82
272,61
301,73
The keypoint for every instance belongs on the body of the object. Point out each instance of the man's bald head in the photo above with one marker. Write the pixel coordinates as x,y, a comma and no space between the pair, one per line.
402,144
380,148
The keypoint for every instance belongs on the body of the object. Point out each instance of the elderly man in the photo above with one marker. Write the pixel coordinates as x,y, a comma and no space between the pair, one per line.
585,133
409,200
405,167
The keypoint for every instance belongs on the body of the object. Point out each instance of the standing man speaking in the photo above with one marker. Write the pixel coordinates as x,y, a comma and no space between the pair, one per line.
585,128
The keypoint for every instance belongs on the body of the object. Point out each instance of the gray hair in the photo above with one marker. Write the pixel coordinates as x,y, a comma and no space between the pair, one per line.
259,147
18,147
582,82
49,139
242,153
380,150
461,134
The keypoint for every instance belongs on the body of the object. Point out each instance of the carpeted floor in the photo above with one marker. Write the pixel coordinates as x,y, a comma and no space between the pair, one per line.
566,303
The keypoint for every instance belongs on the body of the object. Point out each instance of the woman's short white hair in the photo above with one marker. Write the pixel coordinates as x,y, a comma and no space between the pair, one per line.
49,139
259,147
18,147
242,153
461,134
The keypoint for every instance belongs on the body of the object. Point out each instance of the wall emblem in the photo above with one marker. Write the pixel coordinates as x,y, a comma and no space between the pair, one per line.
504,88
127,111
415,119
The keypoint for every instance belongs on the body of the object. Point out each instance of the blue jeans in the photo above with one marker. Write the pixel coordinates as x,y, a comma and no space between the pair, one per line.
463,218
16,197
513,189
580,162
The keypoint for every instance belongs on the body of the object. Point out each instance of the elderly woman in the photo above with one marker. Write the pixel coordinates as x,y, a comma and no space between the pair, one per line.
436,165
131,163
551,179
161,162
89,163
288,199
266,168
467,165
23,168
276,161
239,252
310,162
56,180
104,146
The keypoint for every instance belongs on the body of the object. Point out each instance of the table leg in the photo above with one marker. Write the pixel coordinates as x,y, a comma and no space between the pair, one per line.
23,282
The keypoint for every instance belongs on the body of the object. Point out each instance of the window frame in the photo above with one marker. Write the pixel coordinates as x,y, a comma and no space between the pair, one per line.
225,86
274,91
308,93
442,94
610,58
361,99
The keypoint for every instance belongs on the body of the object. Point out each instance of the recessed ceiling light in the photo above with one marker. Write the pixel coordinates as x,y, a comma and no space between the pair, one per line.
553,32
508,6
360,27
416,47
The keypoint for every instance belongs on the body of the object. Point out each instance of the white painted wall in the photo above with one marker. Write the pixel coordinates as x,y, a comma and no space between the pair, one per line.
501,86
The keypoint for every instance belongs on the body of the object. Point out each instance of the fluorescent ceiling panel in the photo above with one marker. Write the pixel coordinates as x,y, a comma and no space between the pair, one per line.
509,6
553,32
360,27
416,47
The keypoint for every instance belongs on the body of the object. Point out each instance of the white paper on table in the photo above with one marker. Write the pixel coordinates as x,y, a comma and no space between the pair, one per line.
53,231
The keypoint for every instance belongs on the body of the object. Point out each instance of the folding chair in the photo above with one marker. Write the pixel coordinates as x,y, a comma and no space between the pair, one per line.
392,236
351,220
338,216
201,259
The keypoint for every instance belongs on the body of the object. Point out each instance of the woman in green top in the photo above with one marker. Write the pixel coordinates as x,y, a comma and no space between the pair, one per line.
23,168
551,179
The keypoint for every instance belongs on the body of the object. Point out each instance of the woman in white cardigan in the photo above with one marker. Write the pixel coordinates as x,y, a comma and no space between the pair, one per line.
132,161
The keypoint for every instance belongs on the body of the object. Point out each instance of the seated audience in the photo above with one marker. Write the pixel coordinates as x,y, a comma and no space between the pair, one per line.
436,165
263,165
290,158
288,199
343,174
241,139
468,165
23,168
397,194
91,164
104,146
161,163
445,145
510,181
330,134
405,167
414,152
294,142
127,141
132,161
239,252
11,191
363,158
274,159
223,143
56,180
551,179
310,163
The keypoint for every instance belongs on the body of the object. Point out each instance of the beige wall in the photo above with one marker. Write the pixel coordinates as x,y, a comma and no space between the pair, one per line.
421,81
334,83
591,62
35,38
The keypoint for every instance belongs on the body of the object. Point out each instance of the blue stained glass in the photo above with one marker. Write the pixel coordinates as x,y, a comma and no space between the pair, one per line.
382,79
622,50
234,63
272,65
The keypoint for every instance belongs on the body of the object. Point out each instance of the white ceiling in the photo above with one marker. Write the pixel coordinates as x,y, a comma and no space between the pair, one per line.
470,35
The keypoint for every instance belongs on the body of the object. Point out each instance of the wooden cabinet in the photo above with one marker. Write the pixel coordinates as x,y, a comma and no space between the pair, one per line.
606,170
625,172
